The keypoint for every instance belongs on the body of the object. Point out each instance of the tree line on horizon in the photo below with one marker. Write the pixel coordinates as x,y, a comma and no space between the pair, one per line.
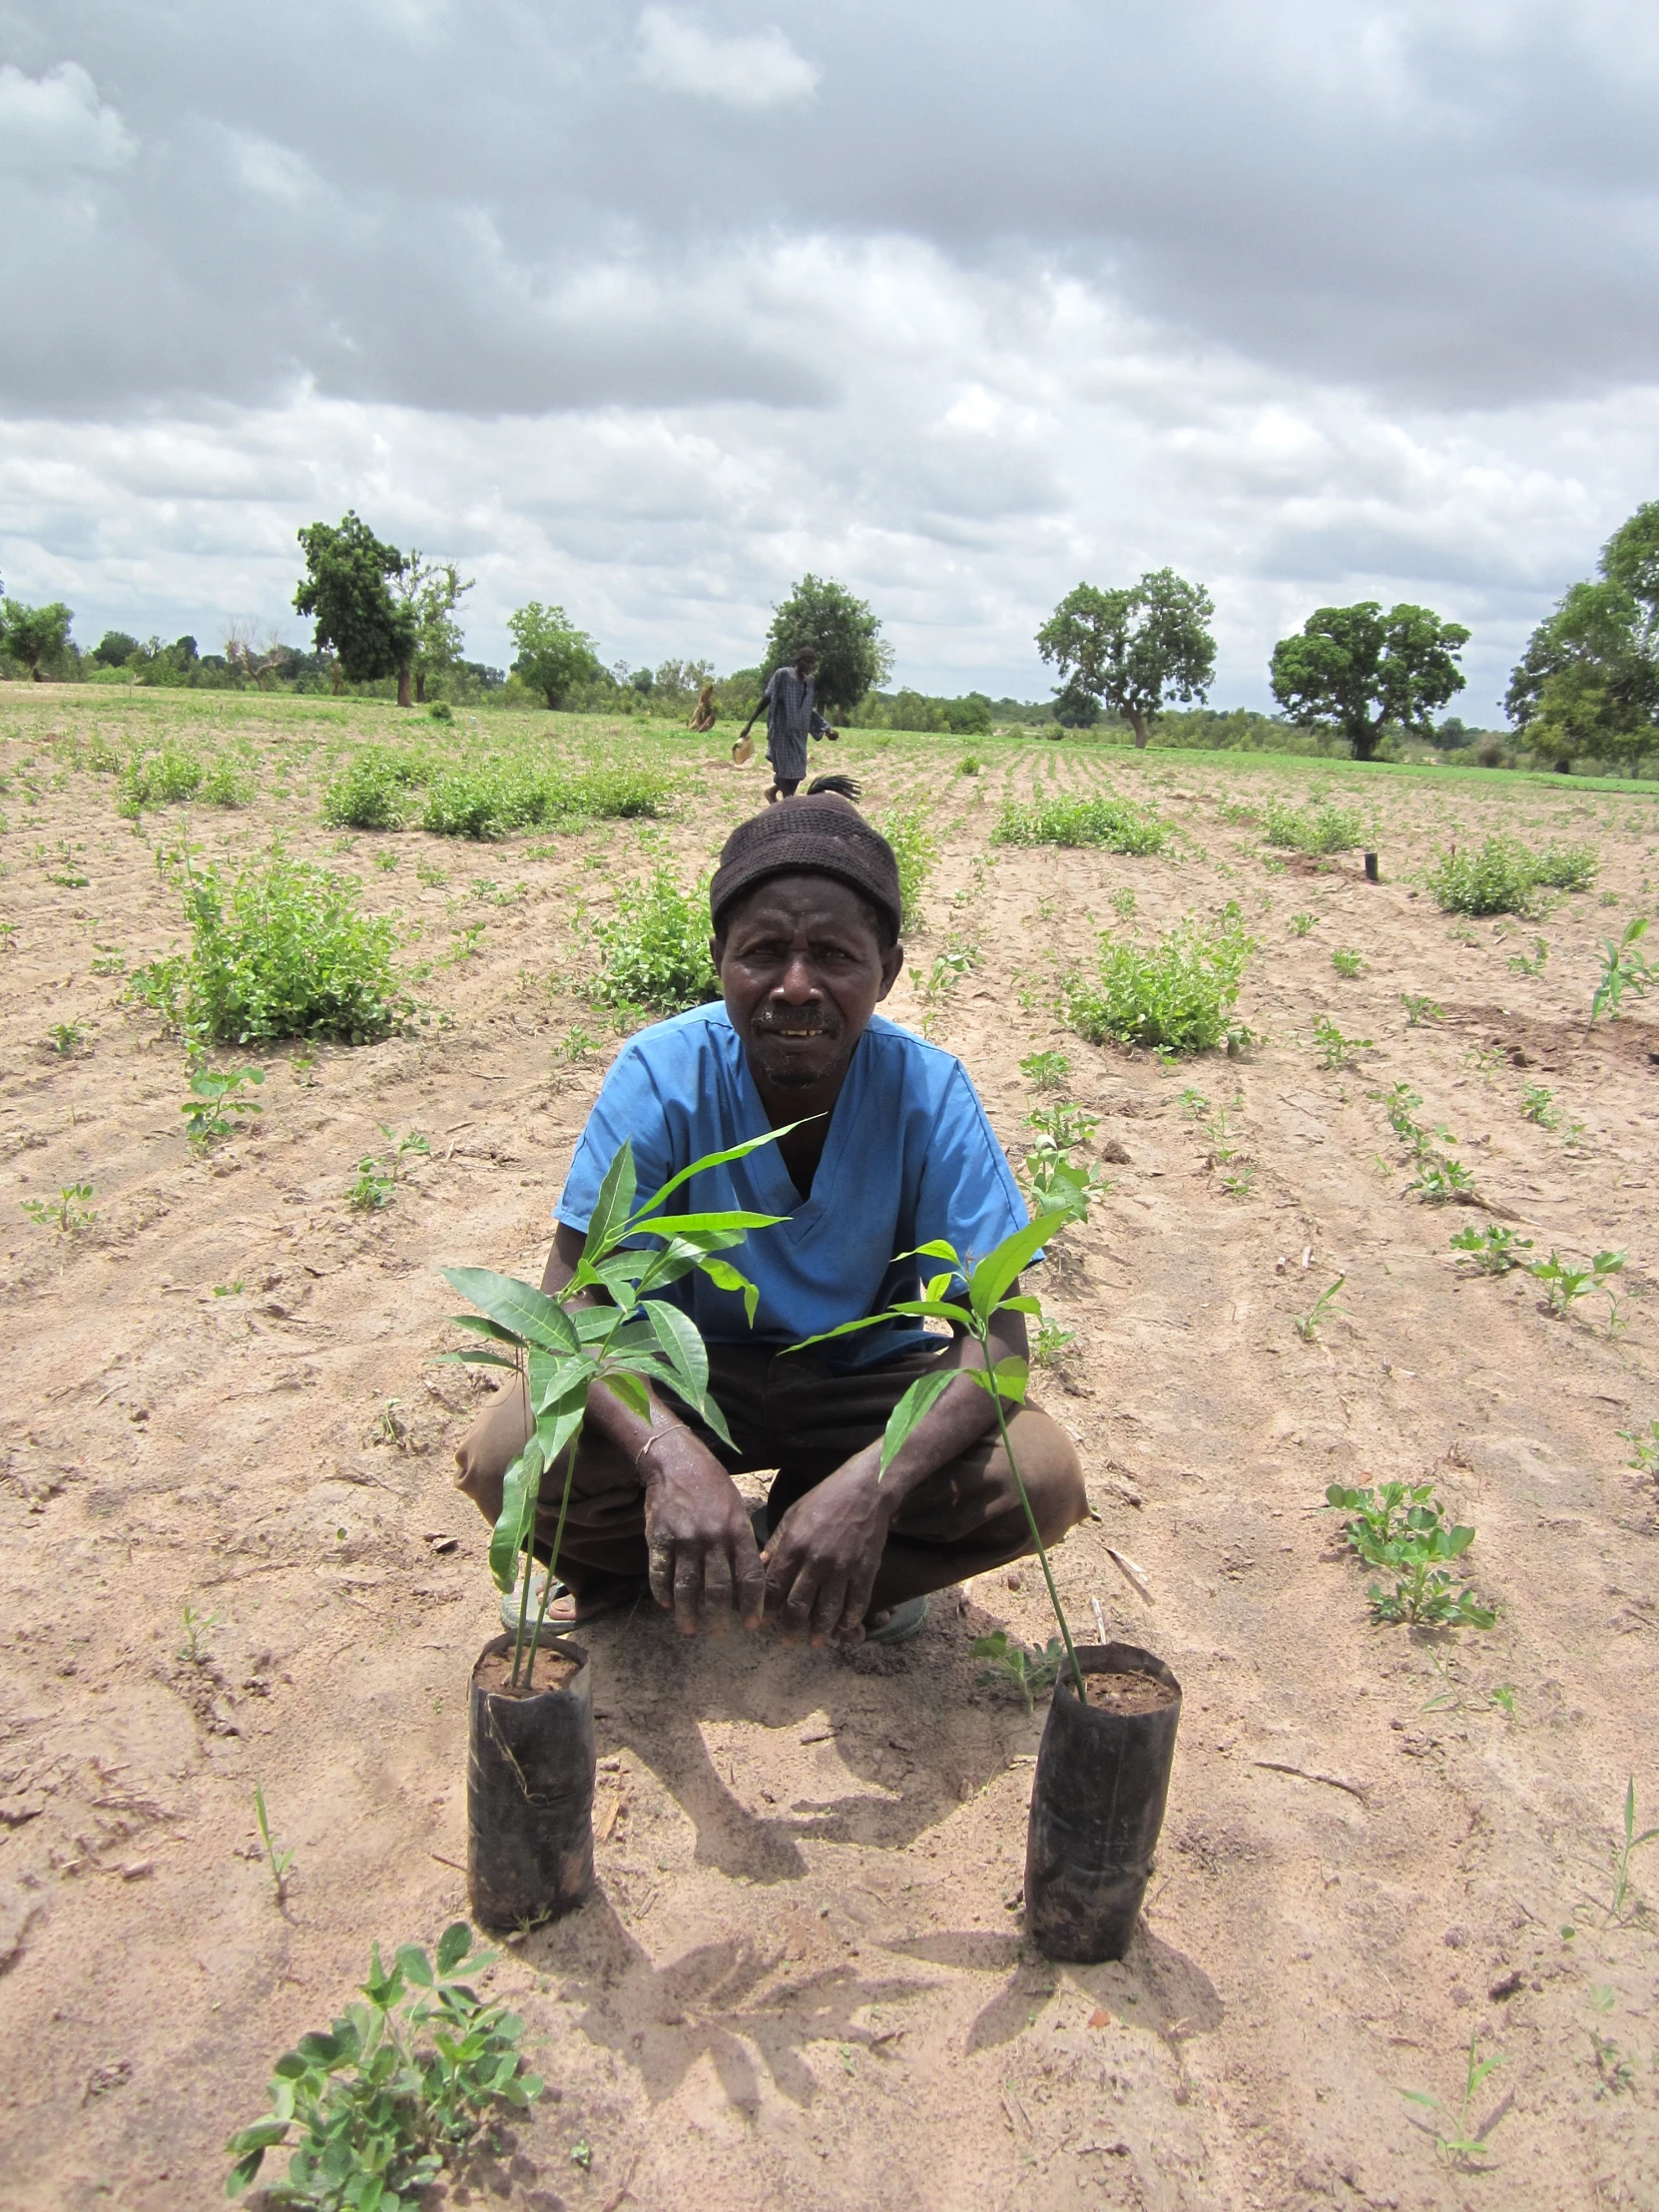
1139,657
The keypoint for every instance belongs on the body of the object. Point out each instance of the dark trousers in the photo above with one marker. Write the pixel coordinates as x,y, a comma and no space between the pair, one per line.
790,1412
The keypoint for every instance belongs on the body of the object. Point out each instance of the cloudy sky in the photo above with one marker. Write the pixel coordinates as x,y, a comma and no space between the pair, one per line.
648,311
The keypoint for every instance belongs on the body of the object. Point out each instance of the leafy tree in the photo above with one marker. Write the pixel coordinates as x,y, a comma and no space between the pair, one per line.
553,655
115,648
1132,650
34,634
853,656
1588,683
348,588
432,590
1356,668
1075,706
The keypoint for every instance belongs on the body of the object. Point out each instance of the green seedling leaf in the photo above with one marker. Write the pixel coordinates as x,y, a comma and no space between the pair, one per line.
608,1223
998,1272
527,1315
715,1159
913,1408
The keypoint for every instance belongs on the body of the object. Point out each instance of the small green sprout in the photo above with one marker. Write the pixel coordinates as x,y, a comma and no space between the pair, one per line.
66,1038
1439,1181
1564,1284
1521,964
1399,1529
1623,969
1306,1325
1050,1347
216,1097
1421,1010
1045,1071
1335,1051
280,1860
1302,925
1346,963
1646,1443
1537,1107
1493,1249
372,1190
1010,1665
66,1213
1462,2145
195,1626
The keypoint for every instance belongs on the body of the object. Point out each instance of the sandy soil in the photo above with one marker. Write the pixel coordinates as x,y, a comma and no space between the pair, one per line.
803,1981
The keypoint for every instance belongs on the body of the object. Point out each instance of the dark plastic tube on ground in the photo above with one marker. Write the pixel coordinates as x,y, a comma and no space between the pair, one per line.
1097,1805
529,1795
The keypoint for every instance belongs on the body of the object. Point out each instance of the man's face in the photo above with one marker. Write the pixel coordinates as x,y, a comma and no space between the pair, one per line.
805,664
802,971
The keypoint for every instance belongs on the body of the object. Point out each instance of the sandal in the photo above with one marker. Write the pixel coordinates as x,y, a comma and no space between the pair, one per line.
565,1611
903,1622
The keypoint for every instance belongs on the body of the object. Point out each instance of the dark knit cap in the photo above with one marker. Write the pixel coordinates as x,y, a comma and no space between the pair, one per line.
820,833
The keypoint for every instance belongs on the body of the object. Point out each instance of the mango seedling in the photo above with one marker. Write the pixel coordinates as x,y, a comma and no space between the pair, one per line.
402,2082
1461,2145
985,1295
1623,969
1493,1249
1010,1665
562,1348
66,1213
217,1096
279,1861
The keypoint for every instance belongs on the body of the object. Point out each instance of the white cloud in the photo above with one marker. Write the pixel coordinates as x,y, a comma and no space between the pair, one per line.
762,70
272,172
56,123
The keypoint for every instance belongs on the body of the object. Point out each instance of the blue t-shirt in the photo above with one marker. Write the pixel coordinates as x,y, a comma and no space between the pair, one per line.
910,1157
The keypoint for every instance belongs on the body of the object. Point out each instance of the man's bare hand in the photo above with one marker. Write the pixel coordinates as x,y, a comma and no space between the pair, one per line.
822,1558
699,1539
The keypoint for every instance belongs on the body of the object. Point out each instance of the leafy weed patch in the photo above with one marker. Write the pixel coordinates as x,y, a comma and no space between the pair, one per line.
1504,878
654,955
1176,995
1399,1528
1314,829
1112,824
282,950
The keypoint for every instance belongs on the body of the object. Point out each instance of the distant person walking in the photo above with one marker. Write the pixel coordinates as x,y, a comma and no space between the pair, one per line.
791,717
702,713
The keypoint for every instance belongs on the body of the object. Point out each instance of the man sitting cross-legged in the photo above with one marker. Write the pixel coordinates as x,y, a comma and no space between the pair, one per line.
892,1150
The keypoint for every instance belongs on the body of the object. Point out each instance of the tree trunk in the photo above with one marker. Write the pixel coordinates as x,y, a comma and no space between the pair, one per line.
420,688
403,698
34,672
334,675
1137,723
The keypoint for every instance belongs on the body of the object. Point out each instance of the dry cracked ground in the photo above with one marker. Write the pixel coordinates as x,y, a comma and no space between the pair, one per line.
802,1979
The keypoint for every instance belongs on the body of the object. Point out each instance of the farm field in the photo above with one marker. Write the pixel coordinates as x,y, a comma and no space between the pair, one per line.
802,1979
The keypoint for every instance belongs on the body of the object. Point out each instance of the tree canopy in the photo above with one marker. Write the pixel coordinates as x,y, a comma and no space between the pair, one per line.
553,655
432,589
34,634
1131,649
347,587
1587,685
853,656
1356,670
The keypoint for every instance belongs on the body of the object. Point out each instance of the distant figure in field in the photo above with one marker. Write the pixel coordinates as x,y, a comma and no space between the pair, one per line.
702,713
791,717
